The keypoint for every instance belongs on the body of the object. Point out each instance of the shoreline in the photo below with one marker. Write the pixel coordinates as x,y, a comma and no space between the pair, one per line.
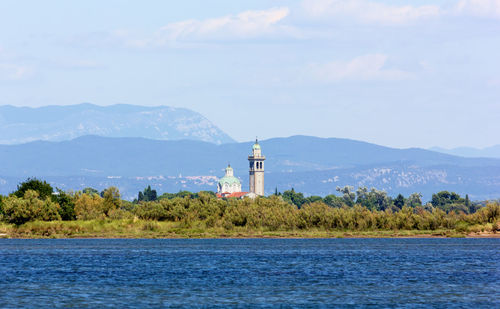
253,236
142,229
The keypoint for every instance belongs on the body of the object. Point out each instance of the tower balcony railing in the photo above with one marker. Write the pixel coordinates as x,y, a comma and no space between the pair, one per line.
256,158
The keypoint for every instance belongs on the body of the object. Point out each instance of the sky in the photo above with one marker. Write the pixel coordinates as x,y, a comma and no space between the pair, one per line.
397,73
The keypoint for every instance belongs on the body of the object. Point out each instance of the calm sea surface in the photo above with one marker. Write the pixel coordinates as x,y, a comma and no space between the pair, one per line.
440,273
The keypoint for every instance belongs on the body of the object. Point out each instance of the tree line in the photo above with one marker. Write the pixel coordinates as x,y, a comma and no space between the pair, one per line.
360,209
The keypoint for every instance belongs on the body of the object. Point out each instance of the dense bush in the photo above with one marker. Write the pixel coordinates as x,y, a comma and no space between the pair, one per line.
43,189
111,200
274,213
89,207
29,208
370,210
201,208
67,205
159,211
1,206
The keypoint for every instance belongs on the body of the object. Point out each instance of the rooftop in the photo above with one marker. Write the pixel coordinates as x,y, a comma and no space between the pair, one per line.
229,180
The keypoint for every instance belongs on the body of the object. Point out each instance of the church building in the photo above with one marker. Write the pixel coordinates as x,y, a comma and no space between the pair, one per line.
230,186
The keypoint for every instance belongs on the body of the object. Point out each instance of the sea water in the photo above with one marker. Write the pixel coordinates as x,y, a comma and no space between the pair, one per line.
295,273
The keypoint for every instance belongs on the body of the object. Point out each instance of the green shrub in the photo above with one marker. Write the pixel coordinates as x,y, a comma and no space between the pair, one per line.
462,227
150,226
495,227
89,207
1,205
158,211
120,214
67,205
30,208
43,189
111,200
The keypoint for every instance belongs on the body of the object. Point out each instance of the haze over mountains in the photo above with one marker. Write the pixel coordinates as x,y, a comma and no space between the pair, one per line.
488,152
58,123
185,151
308,164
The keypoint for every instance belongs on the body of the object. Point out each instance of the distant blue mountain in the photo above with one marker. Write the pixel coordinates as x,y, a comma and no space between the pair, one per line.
58,123
315,166
488,152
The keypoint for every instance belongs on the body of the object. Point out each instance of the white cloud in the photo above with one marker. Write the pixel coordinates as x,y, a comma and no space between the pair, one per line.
479,8
245,25
363,68
369,11
372,12
13,72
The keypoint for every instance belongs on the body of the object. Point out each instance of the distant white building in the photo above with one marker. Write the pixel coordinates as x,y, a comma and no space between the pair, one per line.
228,184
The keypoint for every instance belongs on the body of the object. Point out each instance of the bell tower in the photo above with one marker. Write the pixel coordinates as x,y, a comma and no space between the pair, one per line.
256,172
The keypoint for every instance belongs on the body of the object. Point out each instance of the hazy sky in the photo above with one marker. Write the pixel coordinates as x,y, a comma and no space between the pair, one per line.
421,74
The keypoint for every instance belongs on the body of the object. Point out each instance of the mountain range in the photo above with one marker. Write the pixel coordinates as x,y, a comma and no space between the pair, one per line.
315,166
59,123
488,152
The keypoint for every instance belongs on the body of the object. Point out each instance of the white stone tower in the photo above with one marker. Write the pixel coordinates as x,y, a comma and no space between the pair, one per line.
256,170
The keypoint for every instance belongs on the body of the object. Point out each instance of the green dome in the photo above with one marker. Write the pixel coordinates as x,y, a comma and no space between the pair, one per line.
256,145
230,180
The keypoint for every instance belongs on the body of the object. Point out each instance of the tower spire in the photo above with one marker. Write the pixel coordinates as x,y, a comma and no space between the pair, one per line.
256,171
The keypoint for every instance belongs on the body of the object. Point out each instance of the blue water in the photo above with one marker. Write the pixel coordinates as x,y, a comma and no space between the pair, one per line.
440,273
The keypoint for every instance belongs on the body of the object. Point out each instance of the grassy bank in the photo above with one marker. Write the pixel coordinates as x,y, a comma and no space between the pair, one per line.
136,228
